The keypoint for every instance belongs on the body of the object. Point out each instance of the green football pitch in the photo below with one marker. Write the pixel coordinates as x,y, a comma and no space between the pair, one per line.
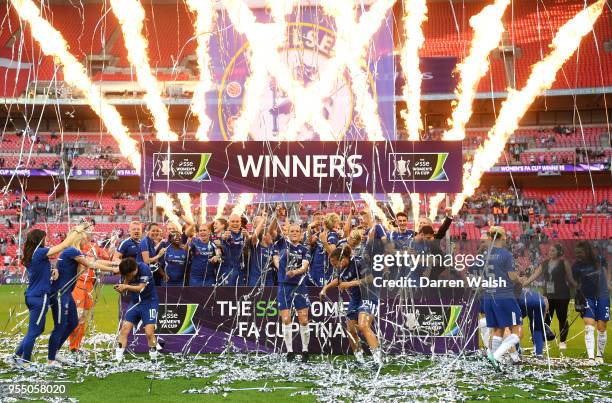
255,378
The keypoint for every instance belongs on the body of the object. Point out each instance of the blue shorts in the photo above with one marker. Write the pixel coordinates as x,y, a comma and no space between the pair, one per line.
142,311
597,308
352,312
231,278
292,296
502,312
355,307
202,279
369,306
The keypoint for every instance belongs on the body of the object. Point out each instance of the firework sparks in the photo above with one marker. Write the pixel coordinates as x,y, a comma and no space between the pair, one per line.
488,29
164,201
204,13
131,18
185,200
542,76
415,15
223,197
243,201
52,43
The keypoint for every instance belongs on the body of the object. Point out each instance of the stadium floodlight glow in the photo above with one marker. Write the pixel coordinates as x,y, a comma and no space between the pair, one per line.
185,201
164,201
375,210
204,16
131,14
415,14
52,43
542,77
223,197
243,201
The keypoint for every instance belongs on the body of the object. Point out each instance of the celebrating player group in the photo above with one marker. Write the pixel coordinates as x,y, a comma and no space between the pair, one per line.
328,252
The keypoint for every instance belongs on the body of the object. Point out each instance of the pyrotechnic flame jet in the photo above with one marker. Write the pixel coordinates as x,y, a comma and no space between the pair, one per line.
131,18
488,29
53,44
415,14
204,13
542,77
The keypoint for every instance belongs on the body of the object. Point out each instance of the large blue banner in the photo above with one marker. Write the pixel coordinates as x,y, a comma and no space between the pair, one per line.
309,48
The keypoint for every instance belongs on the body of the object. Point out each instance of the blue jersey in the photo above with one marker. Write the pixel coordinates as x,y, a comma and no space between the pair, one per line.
232,252
593,281
477,269
291,257
499,263
355,250
144,276
130,247
201,252
175,261
260,261
67,267
39,274
379,232
401,240
354,271
319,264
146,245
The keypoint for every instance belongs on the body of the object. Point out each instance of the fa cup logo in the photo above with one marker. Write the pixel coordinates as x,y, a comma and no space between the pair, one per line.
402,168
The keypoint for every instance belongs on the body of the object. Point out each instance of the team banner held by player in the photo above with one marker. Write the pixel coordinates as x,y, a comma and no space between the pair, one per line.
209,319
302,167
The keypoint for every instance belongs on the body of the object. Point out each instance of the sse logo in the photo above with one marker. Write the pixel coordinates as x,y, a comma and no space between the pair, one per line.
307,52
266,309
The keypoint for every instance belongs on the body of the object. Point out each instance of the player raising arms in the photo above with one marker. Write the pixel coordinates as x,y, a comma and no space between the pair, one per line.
36,260
352,276
232,244
292,258
589,275
138,281
205,257
322,244
261,252
63,307
501,307
368,224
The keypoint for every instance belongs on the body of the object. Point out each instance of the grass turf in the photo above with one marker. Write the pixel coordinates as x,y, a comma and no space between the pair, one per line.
135,386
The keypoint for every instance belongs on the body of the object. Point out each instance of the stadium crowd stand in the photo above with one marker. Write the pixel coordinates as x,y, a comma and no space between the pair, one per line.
530,26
